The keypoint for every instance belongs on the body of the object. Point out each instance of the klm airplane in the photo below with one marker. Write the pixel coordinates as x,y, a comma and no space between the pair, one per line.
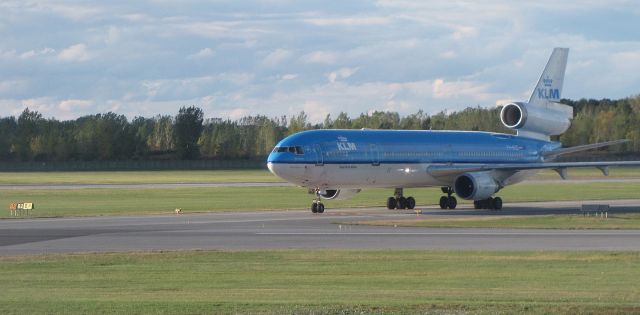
337,164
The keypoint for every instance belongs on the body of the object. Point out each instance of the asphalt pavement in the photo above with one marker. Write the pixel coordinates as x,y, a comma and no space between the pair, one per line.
304,230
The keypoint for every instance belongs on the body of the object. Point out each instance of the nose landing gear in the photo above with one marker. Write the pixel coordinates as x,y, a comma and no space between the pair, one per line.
317,206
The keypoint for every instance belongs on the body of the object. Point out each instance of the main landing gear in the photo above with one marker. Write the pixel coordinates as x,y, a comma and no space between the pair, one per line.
448,201
398,201
317,206
489,203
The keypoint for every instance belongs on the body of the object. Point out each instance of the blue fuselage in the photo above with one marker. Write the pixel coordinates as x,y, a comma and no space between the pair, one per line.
406,147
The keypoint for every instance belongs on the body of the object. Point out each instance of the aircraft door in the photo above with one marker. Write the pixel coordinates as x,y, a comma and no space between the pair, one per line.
319,158
375,155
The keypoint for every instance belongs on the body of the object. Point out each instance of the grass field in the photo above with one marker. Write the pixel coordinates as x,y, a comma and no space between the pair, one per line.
136,177
319,282
143,177
96,202
616,221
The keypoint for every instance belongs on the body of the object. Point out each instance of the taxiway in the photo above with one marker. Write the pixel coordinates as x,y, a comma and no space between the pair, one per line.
303,230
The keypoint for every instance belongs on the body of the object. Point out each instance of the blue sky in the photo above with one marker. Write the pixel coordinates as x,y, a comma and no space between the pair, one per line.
278,57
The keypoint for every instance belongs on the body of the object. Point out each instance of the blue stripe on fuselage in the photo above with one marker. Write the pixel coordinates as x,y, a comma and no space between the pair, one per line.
409,146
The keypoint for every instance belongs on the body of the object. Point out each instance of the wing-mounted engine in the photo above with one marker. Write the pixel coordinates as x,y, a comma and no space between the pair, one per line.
537,121
476,185
338,194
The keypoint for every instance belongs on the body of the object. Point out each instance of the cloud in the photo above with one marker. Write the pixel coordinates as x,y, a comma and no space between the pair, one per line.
235,114
442,89
75,53
33,53
349,21
13,86
202,53
342,73
322,57
289,76
276,57
72,105
43,105
463,32
280,57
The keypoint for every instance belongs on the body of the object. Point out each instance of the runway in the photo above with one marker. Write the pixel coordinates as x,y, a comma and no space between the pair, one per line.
304,230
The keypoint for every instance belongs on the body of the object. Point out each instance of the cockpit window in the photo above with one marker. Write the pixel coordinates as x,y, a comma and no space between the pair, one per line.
297,150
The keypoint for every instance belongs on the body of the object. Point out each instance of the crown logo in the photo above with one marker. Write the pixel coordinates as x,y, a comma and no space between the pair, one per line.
547,81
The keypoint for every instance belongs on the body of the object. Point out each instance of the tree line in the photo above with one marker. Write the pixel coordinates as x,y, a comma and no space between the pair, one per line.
109,136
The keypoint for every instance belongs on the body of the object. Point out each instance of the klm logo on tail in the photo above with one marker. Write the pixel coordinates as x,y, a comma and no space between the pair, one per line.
547,92
549,87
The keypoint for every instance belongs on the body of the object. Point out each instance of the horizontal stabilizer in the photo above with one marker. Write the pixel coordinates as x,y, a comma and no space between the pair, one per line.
579,148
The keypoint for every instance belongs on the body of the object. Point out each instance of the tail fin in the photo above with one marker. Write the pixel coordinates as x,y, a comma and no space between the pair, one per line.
549,87
543,116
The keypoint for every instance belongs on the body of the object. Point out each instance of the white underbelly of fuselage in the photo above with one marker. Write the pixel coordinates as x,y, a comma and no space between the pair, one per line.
345,176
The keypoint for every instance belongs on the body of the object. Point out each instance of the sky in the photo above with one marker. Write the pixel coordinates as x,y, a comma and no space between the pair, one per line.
67,59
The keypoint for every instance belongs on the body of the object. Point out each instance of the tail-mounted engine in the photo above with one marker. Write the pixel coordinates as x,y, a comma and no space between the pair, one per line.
543,116
537,121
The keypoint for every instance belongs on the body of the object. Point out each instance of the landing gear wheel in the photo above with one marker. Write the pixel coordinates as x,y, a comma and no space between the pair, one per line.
452,202
320,208
448,201
477,204
391,203
411,203
314,207
443,202
488,203
402,203
497,203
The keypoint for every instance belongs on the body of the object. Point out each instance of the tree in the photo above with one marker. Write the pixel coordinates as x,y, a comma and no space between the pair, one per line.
8,130
29,125
187,130
298,123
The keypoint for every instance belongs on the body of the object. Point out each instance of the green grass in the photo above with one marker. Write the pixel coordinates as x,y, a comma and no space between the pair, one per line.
217,176
573,221
319,282
136,177
96,202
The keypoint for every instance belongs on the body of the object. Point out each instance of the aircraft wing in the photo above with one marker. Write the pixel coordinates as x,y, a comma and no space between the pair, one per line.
586,147
452,170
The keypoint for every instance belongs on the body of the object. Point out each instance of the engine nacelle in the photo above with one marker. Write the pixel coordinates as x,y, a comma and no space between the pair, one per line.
338,194
537,121
475,186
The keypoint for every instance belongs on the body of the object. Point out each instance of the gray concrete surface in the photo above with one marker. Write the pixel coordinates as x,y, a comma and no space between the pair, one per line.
304,230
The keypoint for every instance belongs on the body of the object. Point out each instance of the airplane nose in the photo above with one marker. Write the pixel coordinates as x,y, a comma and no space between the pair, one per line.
271,168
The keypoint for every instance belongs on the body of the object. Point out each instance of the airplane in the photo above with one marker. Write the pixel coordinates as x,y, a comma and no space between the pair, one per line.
337,164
